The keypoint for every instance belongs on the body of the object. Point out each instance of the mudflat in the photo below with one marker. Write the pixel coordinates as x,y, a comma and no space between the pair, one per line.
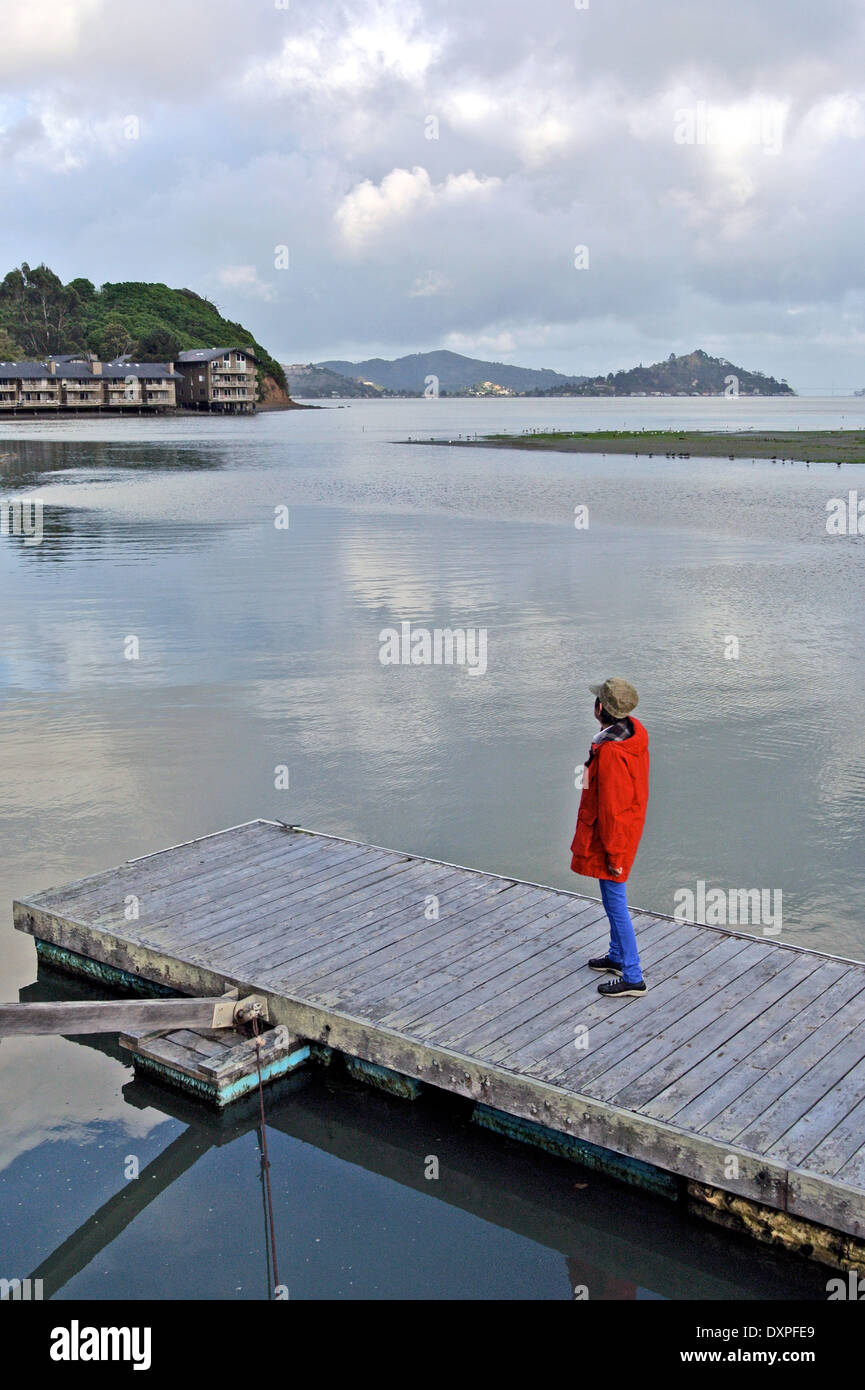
802,446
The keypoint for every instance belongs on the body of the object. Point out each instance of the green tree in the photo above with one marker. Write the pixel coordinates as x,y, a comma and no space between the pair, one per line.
159,345
85,289
115,340
46,315
9,349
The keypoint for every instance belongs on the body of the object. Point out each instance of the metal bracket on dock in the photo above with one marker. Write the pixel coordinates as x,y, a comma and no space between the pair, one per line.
229,1010
253,1006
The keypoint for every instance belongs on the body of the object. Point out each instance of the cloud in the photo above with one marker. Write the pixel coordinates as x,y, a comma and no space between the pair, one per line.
53,140
481,344
369,209
45,31
429,284
347,55
245,280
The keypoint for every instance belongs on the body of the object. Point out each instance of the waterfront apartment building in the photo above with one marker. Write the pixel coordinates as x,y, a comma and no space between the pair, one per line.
81,383
218,379
146,385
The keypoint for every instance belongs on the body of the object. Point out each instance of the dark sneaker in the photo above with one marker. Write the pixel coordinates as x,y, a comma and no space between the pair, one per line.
604,963
616,989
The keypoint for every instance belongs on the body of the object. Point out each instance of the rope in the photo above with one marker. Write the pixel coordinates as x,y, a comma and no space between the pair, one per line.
265,1161
268,1268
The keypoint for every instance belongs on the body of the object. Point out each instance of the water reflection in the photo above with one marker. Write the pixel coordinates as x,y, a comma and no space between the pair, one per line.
28,462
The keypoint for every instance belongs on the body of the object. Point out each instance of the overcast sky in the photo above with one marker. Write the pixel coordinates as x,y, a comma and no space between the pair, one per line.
432,169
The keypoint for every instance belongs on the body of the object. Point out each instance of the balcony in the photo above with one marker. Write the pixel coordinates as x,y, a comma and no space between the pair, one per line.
76,395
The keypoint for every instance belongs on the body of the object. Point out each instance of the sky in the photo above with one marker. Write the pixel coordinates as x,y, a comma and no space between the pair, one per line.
577,185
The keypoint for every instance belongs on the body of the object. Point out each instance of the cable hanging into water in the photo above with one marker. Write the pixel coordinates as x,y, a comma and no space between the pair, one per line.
265,1160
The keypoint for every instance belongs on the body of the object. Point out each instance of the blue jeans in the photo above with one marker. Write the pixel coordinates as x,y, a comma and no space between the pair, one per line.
623,939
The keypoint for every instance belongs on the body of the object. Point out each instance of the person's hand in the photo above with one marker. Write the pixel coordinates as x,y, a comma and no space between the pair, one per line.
613,869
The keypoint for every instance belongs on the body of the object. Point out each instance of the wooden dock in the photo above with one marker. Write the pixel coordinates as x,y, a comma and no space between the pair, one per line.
740,1076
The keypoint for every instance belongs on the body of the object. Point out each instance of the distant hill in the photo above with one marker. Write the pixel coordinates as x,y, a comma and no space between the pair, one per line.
454,371
39,315
312,381
694,374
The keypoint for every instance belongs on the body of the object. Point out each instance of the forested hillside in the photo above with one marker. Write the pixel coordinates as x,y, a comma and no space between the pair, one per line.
40,315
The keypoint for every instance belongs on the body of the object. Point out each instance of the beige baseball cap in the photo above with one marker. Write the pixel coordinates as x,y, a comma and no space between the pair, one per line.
618,697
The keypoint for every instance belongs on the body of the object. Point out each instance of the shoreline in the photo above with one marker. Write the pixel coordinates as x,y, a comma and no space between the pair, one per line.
781,446
174,413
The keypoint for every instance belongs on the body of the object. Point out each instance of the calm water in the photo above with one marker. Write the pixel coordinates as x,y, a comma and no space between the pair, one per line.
259,647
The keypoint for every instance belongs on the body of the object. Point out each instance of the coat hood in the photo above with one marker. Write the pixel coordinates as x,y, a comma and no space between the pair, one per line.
634,747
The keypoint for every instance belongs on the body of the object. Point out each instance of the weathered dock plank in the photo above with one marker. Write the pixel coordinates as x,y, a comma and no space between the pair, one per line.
546,1044
745,1049
519,1026
701,1082
647,1069
217,1067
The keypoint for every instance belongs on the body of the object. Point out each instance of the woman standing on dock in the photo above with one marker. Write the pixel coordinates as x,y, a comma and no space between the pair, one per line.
609,825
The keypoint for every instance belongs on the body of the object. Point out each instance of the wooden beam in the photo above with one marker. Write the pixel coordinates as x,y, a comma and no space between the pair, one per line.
115,1016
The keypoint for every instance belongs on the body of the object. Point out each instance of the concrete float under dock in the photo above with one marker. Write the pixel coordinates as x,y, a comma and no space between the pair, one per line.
737,1084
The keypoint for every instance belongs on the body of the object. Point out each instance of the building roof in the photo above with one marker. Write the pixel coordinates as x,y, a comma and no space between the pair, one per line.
69,370
118,371
209,354
25,371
